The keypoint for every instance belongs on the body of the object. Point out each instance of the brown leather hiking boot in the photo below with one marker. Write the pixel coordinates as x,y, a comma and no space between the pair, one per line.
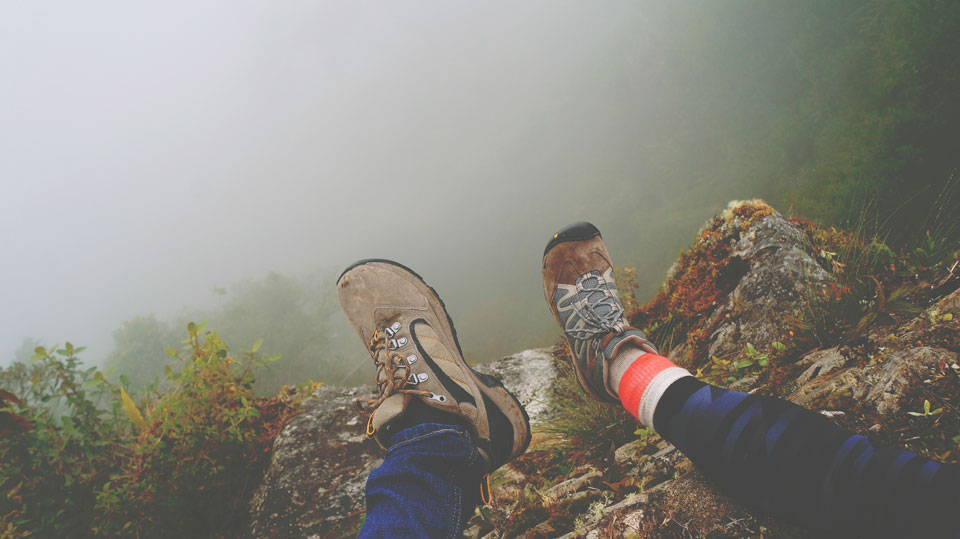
579,286
414,345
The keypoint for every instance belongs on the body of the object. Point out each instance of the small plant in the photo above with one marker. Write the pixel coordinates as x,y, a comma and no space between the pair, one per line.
872,283
644,433
753,357
932,252
545,499
883,304
927,412
596,508
81,458
732,370
665,333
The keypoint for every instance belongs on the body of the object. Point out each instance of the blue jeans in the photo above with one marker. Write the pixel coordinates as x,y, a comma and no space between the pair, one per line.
427,486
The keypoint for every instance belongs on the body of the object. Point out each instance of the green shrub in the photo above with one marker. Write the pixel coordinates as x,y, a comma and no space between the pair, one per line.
51,472
80,459
202,449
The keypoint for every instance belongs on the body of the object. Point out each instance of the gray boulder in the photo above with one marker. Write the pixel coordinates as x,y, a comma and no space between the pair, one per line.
320,462
778,279
314,486
529,375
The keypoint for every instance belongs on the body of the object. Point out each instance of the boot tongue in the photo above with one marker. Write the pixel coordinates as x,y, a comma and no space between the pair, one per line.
389,409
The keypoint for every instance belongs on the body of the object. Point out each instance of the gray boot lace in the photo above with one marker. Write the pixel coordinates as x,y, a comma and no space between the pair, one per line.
597,306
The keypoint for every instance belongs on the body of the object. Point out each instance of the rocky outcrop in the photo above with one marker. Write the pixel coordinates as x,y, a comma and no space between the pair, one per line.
834,381
749,273
643,487
529,376
321,459
314,485
779,275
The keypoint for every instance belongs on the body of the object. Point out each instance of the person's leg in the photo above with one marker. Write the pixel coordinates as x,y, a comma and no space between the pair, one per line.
782,458
443,424
427,486
792,462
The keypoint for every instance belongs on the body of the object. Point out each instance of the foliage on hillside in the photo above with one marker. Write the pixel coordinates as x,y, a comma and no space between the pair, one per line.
817,107
297,318
91,462
72,443
879,119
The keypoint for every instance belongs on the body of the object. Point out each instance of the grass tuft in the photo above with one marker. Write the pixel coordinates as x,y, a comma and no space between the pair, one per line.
584,422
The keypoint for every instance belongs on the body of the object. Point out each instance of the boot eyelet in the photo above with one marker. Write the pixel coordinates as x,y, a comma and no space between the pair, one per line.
411,359
393,329
415,378
438,398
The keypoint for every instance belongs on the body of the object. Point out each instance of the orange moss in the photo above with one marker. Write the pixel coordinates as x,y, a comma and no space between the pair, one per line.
275,412
751,210
701,278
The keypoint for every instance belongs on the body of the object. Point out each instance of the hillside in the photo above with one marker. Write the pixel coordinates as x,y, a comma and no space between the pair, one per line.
831,320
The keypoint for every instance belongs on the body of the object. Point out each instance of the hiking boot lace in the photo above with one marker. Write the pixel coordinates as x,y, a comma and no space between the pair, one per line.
592,287
383,350
599,321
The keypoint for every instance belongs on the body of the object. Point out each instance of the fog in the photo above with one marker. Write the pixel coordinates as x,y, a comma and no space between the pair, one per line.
150,152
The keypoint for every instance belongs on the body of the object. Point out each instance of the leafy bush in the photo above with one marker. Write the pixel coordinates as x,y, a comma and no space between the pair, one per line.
51,472
84,460
201,450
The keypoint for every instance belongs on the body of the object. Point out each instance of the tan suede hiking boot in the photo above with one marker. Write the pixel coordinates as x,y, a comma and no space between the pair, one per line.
579,285
414,345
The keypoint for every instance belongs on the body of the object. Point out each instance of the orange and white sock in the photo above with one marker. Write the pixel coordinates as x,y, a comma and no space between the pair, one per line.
641,378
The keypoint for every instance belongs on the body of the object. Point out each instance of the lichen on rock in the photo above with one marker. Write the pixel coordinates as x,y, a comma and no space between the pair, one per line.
314,485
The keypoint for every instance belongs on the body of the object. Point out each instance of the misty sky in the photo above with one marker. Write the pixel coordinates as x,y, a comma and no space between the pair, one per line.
149,151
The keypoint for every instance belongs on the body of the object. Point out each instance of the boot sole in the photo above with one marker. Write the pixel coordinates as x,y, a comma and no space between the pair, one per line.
496,393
